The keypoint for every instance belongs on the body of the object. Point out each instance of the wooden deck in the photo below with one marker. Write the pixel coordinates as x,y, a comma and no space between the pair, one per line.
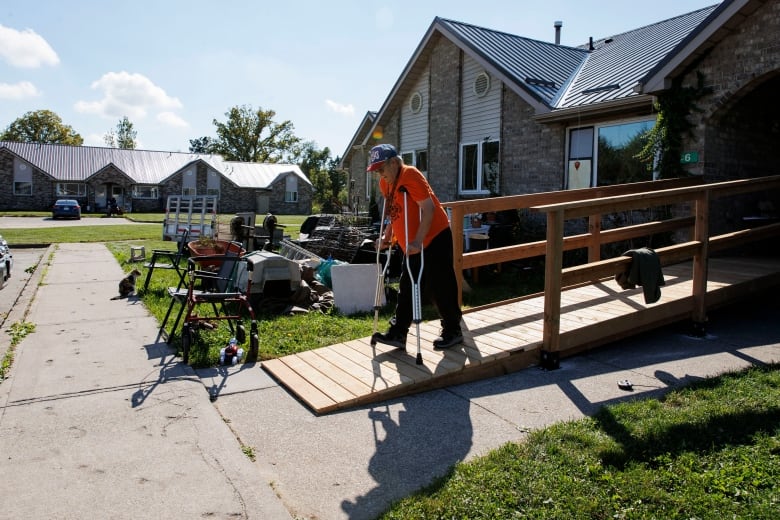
507,337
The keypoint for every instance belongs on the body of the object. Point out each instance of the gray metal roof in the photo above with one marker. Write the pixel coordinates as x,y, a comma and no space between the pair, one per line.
550,77
617,63
79,163
543,69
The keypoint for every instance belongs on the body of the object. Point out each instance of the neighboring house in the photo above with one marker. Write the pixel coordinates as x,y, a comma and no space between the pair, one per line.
33,176
483,112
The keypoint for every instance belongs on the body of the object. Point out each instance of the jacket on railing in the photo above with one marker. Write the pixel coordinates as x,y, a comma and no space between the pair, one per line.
645,271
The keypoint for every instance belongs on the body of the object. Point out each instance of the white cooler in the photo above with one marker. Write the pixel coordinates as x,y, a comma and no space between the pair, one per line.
267,267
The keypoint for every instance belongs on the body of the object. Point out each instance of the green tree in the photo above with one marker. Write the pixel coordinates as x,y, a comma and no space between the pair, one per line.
252,136
201,145
41,126
124,137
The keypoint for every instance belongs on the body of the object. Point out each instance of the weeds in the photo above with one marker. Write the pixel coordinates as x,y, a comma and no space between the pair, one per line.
17,331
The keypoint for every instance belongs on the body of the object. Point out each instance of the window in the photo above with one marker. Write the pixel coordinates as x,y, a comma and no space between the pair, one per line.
212,184
189,186
141,191
479,167
603,155
71,189
418,159
291,189
22,178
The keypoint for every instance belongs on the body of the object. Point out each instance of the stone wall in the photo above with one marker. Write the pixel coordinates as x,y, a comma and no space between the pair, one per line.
737,130
532,154
444,123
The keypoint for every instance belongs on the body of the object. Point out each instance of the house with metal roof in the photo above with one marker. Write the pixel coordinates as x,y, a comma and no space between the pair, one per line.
483,112
35,175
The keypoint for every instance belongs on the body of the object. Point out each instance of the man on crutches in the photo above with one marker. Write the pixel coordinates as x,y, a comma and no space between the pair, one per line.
419,224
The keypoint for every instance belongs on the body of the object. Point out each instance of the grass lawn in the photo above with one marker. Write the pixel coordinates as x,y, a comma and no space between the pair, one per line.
708,451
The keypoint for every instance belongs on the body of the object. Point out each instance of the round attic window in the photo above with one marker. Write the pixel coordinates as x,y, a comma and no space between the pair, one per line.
415,103
481,84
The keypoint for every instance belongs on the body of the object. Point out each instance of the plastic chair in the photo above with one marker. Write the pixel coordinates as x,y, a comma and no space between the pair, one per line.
166,259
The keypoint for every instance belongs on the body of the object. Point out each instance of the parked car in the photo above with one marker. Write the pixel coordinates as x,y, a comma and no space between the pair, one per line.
66,208
6,261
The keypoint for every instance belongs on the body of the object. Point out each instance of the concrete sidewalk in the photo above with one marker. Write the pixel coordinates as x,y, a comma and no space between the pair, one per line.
99,421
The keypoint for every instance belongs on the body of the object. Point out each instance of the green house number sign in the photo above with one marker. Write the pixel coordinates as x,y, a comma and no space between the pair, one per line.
689,157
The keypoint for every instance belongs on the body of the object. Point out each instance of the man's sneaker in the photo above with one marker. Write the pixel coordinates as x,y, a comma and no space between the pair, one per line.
448,338
393,339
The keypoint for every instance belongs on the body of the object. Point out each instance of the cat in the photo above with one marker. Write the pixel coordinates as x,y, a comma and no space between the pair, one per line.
127,284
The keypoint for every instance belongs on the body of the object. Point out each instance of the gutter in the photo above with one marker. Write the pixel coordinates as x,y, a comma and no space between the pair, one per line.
599,109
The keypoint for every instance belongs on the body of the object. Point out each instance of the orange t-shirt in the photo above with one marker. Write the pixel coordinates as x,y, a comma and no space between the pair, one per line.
418,189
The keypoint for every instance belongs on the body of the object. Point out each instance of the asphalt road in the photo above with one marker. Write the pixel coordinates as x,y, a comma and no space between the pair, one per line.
24,258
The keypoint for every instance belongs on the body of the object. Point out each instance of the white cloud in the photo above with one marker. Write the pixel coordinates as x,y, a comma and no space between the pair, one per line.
21,90
25,49
171,119
125,94
340,108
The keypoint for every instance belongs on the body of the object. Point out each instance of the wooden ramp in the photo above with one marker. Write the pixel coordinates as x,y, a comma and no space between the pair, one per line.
507,337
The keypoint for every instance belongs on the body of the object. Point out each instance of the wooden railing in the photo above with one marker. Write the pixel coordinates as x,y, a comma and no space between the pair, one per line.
592,204
592,240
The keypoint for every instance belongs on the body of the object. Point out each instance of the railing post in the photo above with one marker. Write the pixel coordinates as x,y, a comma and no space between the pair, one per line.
551,341
700,261
456,225
594,241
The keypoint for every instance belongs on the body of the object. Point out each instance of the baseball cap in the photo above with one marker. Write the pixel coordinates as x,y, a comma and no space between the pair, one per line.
379,154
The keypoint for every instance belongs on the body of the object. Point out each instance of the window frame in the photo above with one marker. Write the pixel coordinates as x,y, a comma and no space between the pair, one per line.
60,189
153,190
23,179
481,184
291,189
594,157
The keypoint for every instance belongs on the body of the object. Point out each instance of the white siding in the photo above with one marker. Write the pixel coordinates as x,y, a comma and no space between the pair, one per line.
414,126
481,116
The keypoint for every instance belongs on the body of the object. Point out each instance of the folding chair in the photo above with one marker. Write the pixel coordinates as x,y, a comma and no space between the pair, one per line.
231,284
166,259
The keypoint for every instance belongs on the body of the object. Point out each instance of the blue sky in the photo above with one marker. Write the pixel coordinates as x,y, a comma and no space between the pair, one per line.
174,66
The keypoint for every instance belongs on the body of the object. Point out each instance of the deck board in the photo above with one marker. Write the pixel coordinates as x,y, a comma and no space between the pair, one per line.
506,337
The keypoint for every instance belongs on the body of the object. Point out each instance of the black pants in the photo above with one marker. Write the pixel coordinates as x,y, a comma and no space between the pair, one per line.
438,285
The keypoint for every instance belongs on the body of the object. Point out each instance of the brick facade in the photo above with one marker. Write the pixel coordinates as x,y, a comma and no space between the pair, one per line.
233,198
736,133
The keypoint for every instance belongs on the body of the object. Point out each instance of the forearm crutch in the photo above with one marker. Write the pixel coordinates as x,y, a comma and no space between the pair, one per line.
380,272
416,296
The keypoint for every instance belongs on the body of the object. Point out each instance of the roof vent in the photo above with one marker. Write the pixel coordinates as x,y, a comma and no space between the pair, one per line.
481,84
540,82
601,89
558,24
415,103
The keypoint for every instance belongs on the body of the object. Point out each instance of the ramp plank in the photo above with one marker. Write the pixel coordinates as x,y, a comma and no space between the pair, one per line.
505,337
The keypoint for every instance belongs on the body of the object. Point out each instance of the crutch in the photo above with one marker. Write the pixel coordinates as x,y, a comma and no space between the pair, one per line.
380,272
416,297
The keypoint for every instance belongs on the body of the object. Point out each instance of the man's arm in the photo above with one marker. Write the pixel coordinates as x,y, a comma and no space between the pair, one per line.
426,218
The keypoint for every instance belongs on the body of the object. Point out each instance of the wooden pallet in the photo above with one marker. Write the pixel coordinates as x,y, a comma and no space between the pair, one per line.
504,338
